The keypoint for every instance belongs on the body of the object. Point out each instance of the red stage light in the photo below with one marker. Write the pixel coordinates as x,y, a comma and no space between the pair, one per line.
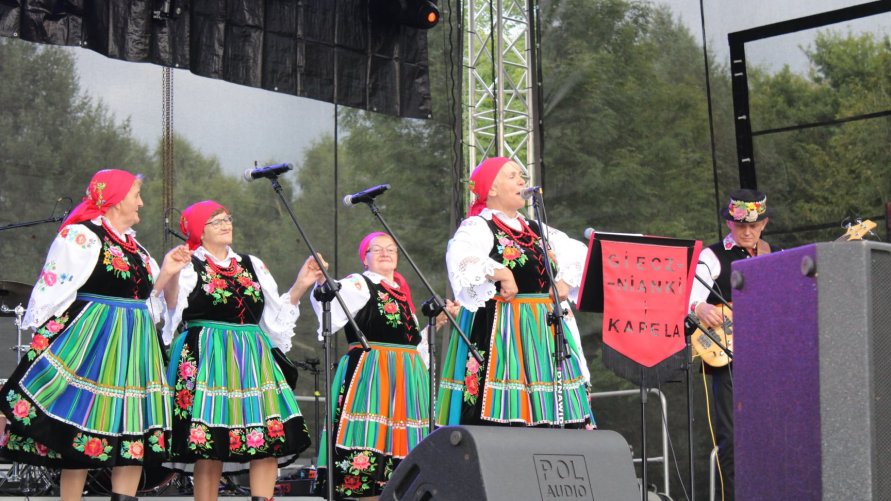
421,14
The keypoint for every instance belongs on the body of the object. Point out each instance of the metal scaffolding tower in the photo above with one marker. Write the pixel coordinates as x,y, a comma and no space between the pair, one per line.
501,82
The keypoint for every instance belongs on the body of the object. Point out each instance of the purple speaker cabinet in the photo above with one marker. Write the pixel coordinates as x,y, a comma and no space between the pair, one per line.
812,373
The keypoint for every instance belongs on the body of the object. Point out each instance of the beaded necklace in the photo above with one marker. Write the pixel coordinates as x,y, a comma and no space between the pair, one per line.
525,237
128,245
229,271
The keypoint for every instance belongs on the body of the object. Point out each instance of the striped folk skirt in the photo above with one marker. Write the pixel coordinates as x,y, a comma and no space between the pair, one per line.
516,382
231,400
381,412
91,391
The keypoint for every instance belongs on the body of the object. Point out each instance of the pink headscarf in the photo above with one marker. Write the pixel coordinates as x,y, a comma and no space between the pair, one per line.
106,189
397,277
194,219
481,182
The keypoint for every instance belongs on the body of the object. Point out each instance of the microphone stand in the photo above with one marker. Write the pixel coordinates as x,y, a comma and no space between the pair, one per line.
555,317
168,231
324,294
51,219
431,309
437,303
312,365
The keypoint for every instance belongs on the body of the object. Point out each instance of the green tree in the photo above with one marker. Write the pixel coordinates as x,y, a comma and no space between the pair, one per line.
52,140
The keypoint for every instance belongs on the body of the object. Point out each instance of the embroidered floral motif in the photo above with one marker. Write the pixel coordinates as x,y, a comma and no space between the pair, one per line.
251,286
388,307
185,384
147,263
472,373
93,447
256,441
50,277
97,188
275,429
511,253
389,466
157,441
199,437
115,260
22,409
132,449
744,211
357,470
217,286
45,334
236,440
74,235
15,442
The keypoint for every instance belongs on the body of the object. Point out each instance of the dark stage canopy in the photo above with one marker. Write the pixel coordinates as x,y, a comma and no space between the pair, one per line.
332,51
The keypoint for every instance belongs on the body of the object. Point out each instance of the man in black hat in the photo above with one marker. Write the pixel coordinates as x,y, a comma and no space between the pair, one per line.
747,214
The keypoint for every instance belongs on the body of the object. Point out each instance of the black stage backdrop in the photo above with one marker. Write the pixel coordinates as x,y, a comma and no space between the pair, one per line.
328,50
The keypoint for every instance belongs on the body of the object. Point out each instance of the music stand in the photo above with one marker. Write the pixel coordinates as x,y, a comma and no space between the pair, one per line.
645,344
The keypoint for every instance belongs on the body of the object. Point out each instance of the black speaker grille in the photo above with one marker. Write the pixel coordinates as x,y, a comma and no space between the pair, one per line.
881,353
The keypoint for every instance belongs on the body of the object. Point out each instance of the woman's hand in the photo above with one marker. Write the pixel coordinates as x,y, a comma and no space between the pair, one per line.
168,278
309,274
505,279
562,290
453,307
176,259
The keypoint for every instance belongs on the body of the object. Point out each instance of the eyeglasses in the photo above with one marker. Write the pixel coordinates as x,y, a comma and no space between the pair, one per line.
377,249
217,222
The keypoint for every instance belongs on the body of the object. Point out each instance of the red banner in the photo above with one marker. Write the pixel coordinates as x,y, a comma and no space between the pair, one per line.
646,289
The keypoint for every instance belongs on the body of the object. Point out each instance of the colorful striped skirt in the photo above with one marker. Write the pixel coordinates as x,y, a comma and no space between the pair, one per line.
516,382
380,414
91,391
231,400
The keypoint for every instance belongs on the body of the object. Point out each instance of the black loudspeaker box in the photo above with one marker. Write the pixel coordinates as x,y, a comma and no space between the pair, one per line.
482,463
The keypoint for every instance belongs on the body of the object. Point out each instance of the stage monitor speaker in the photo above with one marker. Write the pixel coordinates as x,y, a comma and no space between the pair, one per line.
483,463
812,373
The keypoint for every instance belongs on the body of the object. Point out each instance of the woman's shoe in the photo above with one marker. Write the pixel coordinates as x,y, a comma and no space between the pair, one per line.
122,497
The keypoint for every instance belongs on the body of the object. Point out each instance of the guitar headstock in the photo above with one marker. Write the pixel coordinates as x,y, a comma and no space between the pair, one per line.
856,231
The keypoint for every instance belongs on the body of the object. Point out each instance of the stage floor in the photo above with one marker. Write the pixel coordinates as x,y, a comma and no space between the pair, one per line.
165,498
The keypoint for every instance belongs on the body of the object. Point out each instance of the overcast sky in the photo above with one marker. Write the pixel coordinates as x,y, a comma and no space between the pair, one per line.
238,124
242,125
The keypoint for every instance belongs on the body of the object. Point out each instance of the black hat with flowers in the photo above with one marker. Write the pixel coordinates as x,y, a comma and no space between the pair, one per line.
746,206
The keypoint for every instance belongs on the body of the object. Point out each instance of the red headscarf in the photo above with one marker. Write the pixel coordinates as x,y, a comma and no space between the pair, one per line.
397,277
194,219
481,182
106,189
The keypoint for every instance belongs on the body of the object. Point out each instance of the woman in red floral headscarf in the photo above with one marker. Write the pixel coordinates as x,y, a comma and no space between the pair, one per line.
497,270
382,408
233,409
91,391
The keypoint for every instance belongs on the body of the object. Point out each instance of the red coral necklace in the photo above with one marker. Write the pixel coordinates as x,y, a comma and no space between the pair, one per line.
525,237
128,245
229,271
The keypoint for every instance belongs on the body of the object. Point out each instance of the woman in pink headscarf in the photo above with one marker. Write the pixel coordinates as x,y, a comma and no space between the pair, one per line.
233,407
382,408
497,271
91,390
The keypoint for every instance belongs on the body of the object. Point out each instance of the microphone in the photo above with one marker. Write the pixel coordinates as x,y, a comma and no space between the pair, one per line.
589,232
365,196
530,192
167,228
269,171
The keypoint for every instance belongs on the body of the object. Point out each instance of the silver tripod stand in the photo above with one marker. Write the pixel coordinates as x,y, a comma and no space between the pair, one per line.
23,478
